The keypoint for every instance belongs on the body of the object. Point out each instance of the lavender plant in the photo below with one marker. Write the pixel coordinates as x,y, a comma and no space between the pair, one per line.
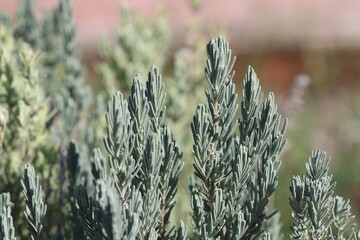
141,172
24,113
24,110
35,207
27,25
317,212
7,230
134,179
61,72
237,174
140,43
61,80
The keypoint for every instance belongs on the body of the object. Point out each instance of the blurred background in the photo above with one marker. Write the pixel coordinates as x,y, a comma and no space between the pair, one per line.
307,52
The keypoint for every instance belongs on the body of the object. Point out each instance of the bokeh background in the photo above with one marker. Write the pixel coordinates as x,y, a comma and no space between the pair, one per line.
307,52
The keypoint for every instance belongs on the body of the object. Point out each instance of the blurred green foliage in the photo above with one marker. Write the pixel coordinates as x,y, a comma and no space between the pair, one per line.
140,43
24,114
71,111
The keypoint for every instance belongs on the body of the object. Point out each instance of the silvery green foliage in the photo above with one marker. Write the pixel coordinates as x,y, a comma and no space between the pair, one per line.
237,173
35,207
74,98
27,25
63,82
263,135
61,71
134,179
24,113
141,42
73,167
317,213
7,230
24,110
135,182
5,19
273,227
108,216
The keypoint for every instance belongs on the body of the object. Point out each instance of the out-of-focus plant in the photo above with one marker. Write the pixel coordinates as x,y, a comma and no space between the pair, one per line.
27,25
75,113
135,180
140,44
61,72
73,97
24,112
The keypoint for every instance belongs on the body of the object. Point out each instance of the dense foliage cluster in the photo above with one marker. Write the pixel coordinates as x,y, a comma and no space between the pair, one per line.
60,103
24,110
75,188
318,214
135,182
237,173
24,114
141,43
